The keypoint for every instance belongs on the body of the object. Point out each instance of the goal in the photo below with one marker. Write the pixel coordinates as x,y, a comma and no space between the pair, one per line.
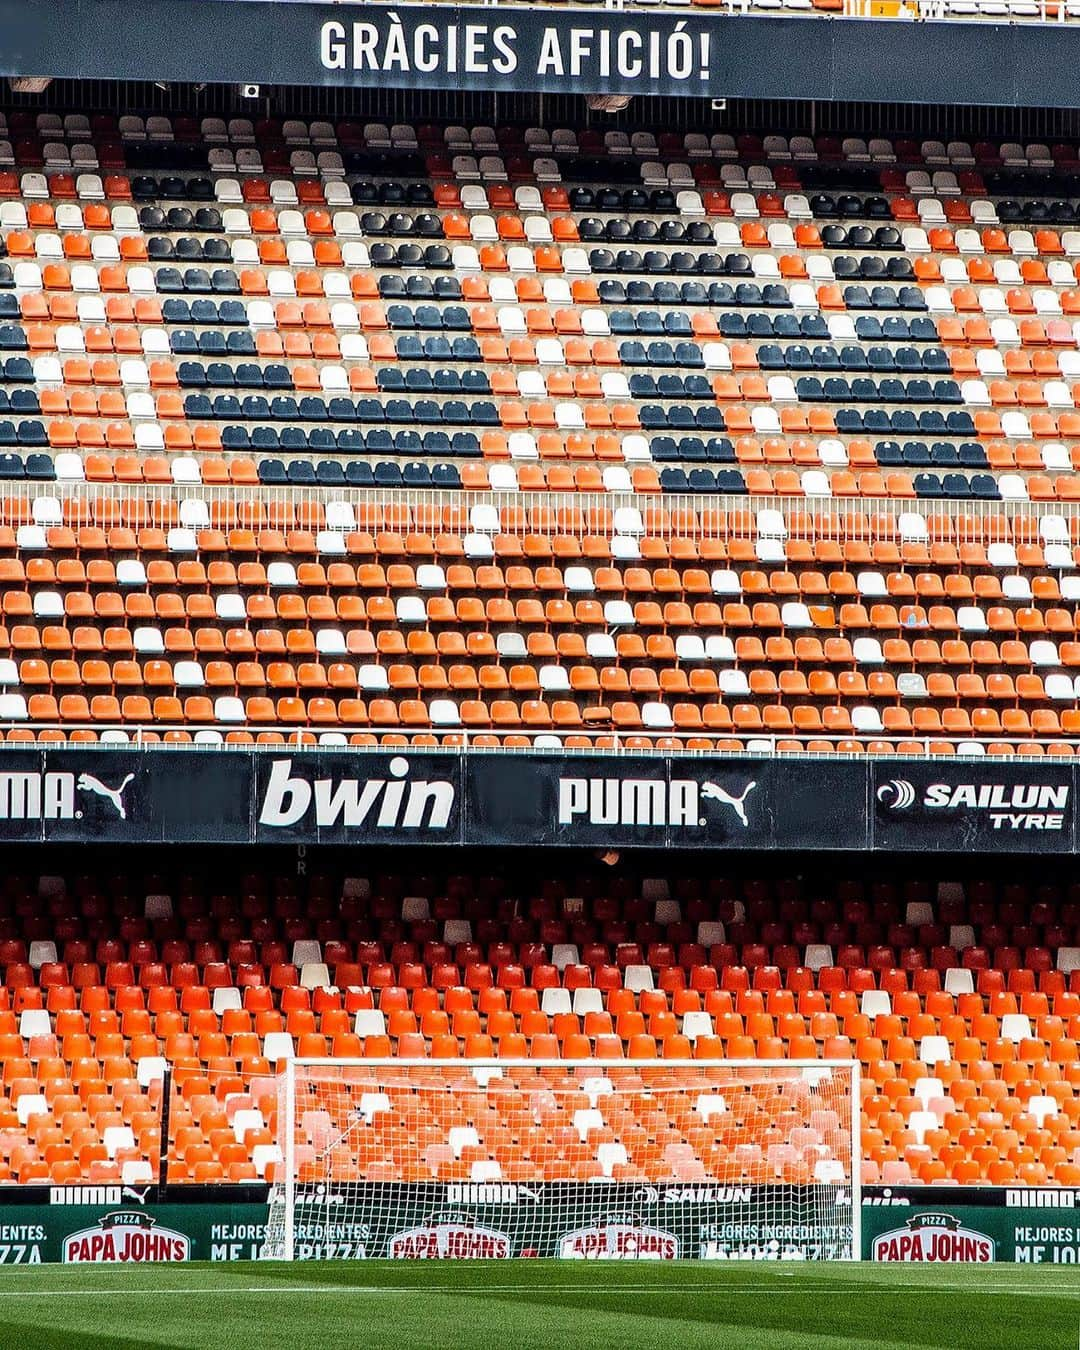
755,1159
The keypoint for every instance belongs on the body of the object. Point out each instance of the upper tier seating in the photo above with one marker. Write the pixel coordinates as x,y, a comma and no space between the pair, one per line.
366,431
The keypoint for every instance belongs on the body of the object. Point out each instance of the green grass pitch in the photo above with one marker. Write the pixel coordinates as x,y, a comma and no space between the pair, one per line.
520,1304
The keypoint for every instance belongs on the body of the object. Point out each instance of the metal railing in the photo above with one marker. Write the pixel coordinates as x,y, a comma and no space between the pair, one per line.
830,517
454,740
909,11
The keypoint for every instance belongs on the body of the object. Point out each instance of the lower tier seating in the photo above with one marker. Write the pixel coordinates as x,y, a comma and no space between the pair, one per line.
960,1000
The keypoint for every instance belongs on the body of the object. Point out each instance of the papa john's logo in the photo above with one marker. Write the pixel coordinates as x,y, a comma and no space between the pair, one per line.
126,1235
448,1238
934,1237
615,1239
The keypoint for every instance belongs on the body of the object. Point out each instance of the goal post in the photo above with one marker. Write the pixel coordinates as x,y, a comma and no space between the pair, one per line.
605,1158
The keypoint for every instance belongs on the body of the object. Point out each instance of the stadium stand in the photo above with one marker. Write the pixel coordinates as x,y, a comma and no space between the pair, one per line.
960,1000
372,432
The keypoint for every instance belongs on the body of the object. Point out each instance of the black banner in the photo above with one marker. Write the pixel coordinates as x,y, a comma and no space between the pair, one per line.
294,796
682,802
547,50
960,807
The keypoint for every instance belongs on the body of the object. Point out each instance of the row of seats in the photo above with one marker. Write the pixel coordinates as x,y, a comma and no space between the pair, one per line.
162,130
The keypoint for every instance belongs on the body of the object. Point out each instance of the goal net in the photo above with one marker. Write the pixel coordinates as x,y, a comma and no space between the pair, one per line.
605,1158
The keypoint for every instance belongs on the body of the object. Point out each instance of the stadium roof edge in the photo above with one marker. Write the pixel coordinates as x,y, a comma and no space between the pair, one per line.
542,49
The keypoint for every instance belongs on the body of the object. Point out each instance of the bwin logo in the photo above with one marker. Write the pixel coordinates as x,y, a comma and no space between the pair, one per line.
88,783
391,802
897,794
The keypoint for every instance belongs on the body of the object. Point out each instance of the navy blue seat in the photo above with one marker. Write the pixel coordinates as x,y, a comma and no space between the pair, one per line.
358,473
985,486
787,326
702,480
465,444
882,359
888,454
302,472
408,348
853,358
437,348
673,480
929,485
24,401
272,471
32,433
294,439
709,419
973,455
330,473
421,382
719,450
445,476
387,474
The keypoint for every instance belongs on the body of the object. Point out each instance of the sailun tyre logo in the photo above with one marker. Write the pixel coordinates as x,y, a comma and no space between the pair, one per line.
897,794
1004,806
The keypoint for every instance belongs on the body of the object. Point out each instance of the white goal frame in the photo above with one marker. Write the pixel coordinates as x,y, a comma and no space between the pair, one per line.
283,1189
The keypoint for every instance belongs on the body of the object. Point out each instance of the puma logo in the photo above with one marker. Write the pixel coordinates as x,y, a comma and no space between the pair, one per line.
737,804
88,783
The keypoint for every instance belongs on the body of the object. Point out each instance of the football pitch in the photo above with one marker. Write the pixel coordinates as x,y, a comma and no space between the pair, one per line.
521,1304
